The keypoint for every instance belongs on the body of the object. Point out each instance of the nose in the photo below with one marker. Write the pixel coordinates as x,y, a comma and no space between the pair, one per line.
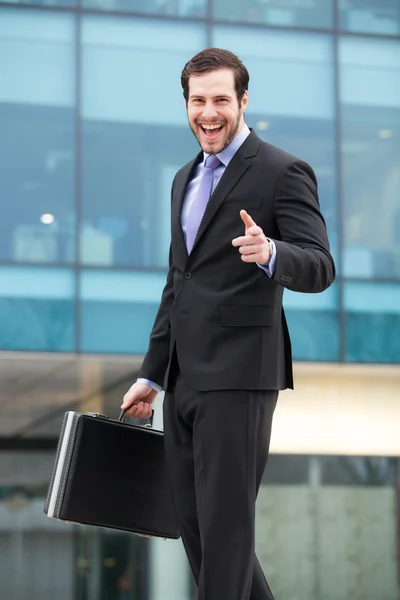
209,111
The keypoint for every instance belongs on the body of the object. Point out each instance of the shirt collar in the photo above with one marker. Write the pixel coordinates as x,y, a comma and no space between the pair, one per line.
226,155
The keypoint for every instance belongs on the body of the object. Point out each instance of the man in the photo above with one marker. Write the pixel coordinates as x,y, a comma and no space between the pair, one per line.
245,224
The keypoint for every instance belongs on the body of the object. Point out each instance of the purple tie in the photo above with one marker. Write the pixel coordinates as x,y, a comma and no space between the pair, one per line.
200,202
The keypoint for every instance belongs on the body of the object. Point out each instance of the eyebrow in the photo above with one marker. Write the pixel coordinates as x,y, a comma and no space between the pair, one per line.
194,96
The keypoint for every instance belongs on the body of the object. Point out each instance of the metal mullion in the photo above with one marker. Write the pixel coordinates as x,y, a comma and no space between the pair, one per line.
78,179
210,22
339,181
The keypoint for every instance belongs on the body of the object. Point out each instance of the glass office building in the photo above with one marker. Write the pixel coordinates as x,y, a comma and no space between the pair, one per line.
92,130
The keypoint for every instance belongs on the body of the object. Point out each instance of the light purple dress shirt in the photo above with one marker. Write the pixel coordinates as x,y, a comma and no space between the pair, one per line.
225,157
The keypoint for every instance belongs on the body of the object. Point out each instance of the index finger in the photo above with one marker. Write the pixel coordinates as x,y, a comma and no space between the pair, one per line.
246,218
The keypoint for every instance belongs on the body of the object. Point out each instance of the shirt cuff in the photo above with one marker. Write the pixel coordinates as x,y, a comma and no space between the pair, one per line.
269,268
153,385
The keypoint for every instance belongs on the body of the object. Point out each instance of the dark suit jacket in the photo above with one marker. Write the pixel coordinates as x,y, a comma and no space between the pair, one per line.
224,317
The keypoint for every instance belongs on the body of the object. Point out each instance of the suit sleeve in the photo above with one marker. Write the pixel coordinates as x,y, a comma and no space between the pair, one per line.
156,360
303,259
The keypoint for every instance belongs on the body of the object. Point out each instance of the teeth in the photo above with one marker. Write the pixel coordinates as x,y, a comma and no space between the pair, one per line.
211,126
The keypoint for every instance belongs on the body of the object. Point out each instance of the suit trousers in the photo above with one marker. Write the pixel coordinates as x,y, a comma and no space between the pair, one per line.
217,445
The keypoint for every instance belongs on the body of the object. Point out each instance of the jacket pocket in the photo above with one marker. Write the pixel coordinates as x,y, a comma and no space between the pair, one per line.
231,315
237,202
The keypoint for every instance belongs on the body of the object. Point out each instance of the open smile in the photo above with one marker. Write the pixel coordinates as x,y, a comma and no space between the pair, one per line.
211,132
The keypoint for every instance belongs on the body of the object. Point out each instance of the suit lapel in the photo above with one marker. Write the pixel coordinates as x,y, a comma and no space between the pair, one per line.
236,169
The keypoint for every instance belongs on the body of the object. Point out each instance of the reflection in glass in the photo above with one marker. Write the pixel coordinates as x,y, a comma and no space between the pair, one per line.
291,100
55,3
313,325
37,141
115,299
321,523
370,84
135,136
37,309
370,16
326,531
287,13
359,470
176,8
372,322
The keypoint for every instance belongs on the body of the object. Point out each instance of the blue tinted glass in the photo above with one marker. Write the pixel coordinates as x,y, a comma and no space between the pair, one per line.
370,16
37,309
287,13
372,322
370,96
44,2
135,136
37,214
313,324
125,303
291,100
181,8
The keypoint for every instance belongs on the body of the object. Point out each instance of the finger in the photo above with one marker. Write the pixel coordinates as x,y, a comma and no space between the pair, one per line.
132,411
250,249
254,230
251,258
127,403
244,240
246,218
128,400
139,411
145,411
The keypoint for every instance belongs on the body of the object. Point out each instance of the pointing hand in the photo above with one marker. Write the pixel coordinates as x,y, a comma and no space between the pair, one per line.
253,246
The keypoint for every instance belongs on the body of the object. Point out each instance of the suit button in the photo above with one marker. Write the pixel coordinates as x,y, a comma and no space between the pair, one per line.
188,275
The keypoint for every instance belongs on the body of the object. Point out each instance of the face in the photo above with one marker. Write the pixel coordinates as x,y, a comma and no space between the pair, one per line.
214,114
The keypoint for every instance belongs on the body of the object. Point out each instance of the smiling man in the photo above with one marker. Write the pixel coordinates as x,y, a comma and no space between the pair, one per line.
217,122
245,225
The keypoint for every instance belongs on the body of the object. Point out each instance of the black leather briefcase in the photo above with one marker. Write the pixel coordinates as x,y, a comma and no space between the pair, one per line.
111,474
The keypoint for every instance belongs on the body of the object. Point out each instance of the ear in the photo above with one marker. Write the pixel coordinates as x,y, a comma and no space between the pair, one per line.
244,102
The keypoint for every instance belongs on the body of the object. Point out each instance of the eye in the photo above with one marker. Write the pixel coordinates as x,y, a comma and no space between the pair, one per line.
222,100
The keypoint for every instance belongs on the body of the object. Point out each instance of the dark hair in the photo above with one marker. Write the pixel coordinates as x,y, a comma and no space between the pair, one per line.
213,59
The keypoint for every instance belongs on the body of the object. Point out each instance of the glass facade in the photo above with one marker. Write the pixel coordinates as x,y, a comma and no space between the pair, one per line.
286,13
336,541
94,129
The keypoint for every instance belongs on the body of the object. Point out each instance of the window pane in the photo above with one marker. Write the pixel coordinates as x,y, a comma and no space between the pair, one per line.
37,309
291,100
45,2
135,136
37,141
125,303
342,537
370,96
372,322
313,324
287,13
370,16
179,8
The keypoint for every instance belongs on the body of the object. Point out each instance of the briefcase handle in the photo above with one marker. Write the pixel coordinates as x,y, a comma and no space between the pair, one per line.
150,421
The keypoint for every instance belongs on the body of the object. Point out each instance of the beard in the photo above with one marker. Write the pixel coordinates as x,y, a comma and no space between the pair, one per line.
228,133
